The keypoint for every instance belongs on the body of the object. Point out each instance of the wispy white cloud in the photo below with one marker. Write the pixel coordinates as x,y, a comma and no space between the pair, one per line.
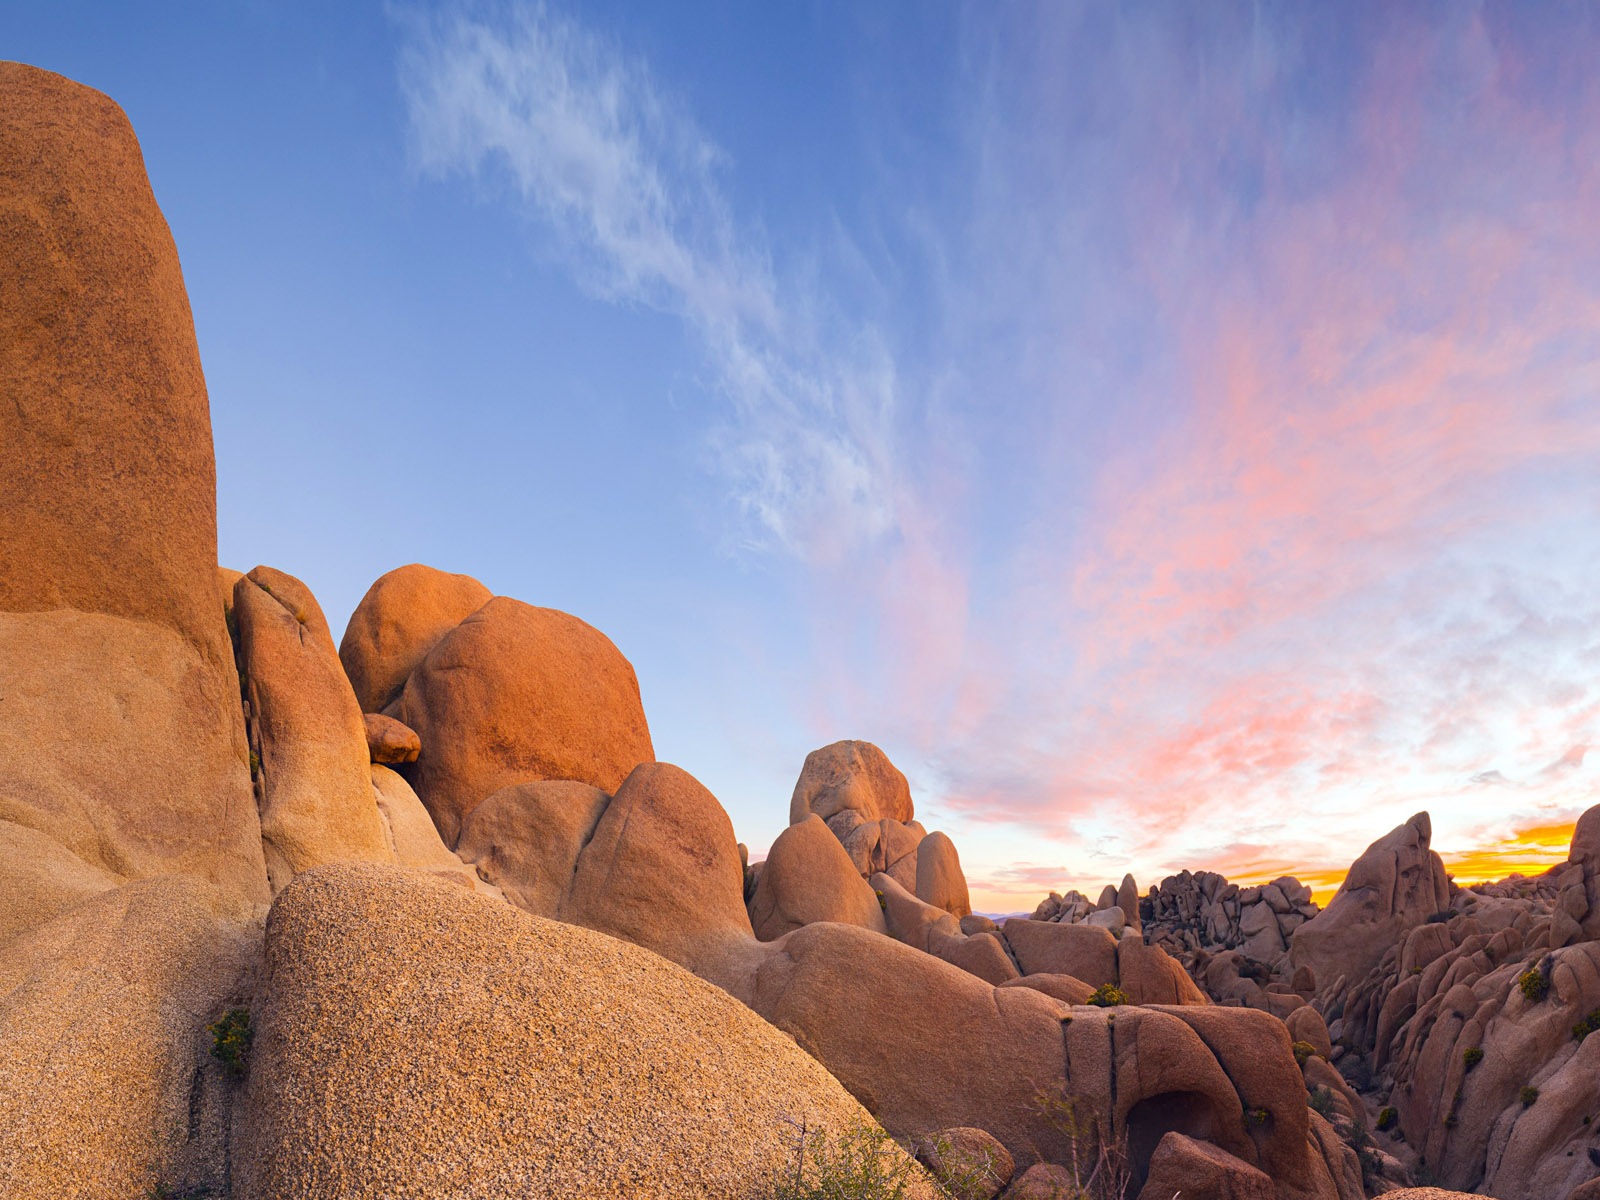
630,190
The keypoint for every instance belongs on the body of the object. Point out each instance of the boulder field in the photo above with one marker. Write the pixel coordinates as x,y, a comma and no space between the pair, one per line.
423,916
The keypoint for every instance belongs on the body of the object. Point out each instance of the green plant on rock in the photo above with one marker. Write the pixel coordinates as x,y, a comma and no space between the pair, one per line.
1472,1056
860,1163
1320,1101
1533,984
883,901
1528,1095
1107,995
1302,1052
1256,1116
960,1175
231,1038
1586,1026
1387,1116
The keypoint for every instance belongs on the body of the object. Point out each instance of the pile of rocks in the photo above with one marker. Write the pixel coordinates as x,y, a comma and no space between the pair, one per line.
1191,914
1465,1012
1203,911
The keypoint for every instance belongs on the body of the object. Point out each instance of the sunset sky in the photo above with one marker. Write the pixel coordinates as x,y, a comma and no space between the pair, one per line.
1172,432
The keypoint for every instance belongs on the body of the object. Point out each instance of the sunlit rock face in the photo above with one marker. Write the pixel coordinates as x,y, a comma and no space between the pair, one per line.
121,735
1397,883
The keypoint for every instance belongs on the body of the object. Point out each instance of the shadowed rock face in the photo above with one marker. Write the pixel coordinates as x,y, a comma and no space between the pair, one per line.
121,738
1397,883
104,1084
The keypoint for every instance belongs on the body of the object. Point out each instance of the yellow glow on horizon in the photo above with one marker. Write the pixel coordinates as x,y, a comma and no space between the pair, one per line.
1529,851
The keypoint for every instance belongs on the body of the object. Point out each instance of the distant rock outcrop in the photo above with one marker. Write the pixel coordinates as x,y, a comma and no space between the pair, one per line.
1396,884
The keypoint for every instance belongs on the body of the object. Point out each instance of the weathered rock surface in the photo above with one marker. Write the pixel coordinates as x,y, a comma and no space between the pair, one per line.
388,741
106,1089
851,776
970,1163
662,870
410,836
879,1015
1195,1170
526,838
41,878
514,694
314,779
1085,952
808,877
109,491
940,880
118,742
403,616
1397,883
502,1056
116,667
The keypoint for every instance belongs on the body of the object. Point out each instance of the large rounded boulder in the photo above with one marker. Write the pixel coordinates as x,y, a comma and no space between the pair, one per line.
662,870
415,1040
403,616
808,877
525,839
516,693
851,776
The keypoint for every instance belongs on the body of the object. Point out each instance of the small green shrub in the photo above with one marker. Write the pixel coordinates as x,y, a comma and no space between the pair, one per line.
231,1038
1439,918
883,902
1533,984
1320,1101
1472,1056
861,1163
1586,1026
1107,995
1387,1116
1528,1095
255,766
1256,1116
1302,1052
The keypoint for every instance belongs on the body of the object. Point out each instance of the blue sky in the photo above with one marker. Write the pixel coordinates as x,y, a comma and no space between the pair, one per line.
1171,431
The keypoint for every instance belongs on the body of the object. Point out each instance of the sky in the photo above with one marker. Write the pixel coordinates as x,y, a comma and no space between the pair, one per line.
1170,431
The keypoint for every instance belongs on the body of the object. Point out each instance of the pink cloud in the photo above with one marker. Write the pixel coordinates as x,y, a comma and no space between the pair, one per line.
1281,595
